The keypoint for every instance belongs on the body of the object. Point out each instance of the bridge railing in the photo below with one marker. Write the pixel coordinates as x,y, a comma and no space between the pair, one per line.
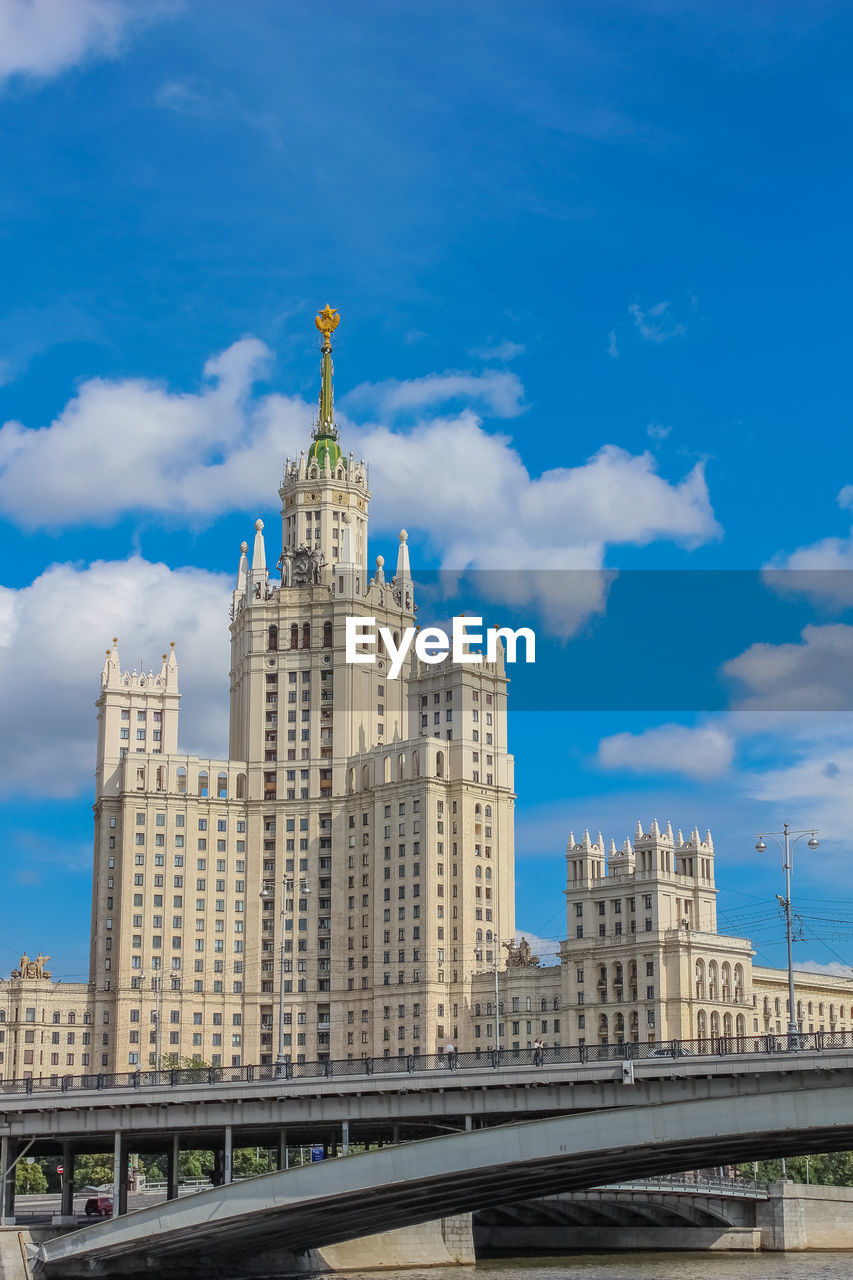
425,1063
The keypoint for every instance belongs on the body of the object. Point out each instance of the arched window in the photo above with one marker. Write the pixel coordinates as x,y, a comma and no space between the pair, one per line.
478,873
740,1026
555,1004
272,638
72,1018
401,767
160,784
479,935
738,983
294,635
700,979
365,777
727,1024
712,980
488,811
327,635
488,873
181,780
306,635
477,810
715,1024
439,764
387,769
222,786
701,1024
726,974
202,782
350,781
416,764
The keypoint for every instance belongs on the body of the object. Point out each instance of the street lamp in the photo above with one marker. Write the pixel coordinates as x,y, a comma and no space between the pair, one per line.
267,894
786,844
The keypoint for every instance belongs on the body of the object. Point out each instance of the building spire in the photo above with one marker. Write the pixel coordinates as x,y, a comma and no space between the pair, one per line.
326,321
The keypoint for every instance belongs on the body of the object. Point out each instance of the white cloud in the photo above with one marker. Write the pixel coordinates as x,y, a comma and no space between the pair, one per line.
51,634
612,349
656,324
41,38
501,394
814,675
187,100
136,446
657,431
502,352
821,571
702,753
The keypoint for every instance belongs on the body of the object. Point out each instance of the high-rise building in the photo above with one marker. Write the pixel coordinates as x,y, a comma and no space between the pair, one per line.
337,880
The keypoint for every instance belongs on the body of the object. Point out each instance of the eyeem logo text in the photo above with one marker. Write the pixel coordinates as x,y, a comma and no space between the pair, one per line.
432,644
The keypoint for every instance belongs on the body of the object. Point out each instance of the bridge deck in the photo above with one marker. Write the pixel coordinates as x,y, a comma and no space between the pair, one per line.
344,1199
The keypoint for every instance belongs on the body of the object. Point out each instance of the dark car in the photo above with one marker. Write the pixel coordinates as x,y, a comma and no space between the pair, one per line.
99,1207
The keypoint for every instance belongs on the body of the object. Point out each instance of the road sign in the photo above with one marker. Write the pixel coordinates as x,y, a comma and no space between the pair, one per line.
317,1153
59,1169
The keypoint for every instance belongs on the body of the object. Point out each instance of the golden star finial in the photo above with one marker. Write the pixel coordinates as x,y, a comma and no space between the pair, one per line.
327,320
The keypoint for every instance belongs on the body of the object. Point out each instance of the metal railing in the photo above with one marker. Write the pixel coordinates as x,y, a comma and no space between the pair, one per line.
427,1063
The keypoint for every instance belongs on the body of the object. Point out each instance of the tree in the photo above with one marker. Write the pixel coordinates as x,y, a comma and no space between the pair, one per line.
834,1169
250,1162
30,1179
92,1170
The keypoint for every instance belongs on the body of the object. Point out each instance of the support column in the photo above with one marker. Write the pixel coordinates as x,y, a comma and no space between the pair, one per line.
227,1162
172,1168
119,1176
469,1123
345,1138
66,1204
7,1182
282,1149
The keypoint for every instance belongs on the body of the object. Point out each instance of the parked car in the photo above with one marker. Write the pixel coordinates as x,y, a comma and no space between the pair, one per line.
99,1207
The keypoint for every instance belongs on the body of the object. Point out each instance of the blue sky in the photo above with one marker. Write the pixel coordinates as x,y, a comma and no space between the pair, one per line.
593,267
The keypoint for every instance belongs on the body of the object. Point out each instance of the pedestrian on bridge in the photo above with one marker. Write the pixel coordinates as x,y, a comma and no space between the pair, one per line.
450,1050
538,1051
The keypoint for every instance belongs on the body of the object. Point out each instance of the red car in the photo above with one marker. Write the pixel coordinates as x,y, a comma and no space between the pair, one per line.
99,1207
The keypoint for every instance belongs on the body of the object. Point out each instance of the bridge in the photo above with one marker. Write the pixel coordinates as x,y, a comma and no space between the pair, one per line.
715,1119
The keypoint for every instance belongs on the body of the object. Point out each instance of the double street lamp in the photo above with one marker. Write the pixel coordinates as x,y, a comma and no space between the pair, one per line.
786,844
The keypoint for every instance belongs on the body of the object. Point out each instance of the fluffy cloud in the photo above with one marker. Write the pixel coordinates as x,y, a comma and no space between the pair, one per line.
44,37
136,446
51,633
821,571
702,753
814,675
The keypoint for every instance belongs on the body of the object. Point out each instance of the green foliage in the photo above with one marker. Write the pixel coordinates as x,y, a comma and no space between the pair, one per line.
92,1170
30,1179
834,1169
250,1162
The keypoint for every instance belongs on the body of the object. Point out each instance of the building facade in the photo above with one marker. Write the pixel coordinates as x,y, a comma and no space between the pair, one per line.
342,884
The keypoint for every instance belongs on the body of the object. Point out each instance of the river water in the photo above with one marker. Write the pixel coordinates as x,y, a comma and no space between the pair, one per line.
642,1266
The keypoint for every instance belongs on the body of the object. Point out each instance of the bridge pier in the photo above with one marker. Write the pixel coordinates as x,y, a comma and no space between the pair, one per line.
8,1152
227,1162
283,1162
66,1187
119,1174
172,1168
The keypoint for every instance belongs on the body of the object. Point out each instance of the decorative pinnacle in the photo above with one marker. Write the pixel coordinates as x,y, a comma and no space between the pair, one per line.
327,322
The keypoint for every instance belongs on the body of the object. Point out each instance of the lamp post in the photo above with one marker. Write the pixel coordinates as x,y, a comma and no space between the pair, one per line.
786,844
267,894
